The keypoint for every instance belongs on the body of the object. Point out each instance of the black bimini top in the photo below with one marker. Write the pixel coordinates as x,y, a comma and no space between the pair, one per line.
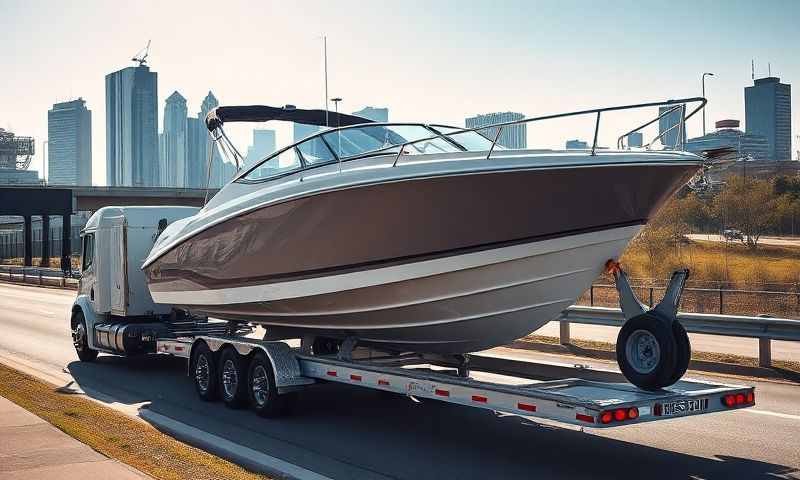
263,113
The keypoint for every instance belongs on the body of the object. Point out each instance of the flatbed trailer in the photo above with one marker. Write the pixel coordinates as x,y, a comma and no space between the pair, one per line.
575,401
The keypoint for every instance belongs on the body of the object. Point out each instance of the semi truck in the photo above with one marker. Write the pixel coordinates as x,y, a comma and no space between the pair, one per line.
238,364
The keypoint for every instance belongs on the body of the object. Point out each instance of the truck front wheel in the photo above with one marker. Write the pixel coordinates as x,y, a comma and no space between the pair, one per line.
80,338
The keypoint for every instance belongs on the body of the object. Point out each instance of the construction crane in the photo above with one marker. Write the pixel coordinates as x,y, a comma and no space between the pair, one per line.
141,57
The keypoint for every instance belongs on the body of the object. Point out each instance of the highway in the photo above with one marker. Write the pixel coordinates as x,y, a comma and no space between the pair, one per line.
775,241
344,432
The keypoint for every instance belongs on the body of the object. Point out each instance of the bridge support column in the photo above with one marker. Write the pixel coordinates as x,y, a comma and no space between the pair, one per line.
45,241
66,244
27,241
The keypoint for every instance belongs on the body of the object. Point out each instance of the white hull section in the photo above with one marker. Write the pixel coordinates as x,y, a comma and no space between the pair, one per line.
454,304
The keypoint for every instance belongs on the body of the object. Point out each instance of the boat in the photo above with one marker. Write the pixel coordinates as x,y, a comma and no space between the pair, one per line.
410,236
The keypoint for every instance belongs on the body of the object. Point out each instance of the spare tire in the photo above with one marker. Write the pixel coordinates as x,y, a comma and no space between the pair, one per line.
647,351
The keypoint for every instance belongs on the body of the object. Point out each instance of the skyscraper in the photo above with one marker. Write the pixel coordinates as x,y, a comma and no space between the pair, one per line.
132,127
69,138
374,114
196,133
635,139
667,122
263,145
768,112
174,142
512,136
217,176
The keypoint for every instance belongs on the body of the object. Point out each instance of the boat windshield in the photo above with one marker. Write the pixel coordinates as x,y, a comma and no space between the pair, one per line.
351,142
364,140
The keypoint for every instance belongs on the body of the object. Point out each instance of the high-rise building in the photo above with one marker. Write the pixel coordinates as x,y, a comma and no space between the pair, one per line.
301,131
666,124
216,173
196,134
69,141
374,114
576,145
728,135
768,112
132,127
635,139
263,145
174,142
512,136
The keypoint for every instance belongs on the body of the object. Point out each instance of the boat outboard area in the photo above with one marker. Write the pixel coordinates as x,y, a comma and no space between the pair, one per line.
415,237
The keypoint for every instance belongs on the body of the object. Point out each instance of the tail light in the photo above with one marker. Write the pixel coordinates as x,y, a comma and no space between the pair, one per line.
732,400
619,415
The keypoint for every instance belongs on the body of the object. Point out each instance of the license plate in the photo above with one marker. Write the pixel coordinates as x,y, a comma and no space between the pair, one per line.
684,407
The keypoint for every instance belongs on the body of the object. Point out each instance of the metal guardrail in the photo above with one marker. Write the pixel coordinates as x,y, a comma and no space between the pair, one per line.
765,329
36,276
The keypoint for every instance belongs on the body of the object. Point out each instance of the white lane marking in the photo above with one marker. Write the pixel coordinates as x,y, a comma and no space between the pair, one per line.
773,414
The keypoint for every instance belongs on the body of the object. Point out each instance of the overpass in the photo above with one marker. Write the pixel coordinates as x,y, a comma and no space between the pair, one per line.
46,201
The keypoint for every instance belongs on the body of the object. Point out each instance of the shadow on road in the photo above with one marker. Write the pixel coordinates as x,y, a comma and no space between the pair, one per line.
346,432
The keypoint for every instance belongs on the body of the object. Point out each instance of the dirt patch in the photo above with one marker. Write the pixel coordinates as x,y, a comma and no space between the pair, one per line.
114,434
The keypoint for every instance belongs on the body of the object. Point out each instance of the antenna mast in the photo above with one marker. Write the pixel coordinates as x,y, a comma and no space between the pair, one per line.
325,55
752,69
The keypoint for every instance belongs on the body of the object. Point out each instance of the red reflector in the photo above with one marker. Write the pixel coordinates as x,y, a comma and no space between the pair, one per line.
527,407
739,398
178,349
657,409
620,415
442,393
606,417
357,378
751,397
584,418
633,413
480,399
331,373
729,400
383,382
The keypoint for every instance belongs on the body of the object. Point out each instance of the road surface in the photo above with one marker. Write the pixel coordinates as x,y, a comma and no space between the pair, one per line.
777,241
345,432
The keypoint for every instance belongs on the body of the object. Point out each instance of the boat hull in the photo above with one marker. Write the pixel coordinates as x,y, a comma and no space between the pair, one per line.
448,264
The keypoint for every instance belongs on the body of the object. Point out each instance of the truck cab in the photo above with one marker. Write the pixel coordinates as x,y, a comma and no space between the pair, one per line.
113,310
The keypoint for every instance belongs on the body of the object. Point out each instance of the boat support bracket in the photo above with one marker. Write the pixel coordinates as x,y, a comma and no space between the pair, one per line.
631,307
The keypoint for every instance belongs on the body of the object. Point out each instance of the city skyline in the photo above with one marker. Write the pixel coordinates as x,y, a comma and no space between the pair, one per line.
539,75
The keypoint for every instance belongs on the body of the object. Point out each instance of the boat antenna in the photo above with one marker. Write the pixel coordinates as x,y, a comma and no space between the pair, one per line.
752,69
325,57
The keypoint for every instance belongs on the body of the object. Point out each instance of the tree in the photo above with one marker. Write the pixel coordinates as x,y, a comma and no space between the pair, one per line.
787,211
747,205
666,229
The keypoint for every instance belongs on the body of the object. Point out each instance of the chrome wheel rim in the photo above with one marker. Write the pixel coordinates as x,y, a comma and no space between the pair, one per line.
201,372
260,385
79,336
230,379
643,351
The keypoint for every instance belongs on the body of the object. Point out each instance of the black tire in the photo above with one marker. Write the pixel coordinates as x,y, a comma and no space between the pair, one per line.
646,351
80,338
233,373
203,369
683,354
262,391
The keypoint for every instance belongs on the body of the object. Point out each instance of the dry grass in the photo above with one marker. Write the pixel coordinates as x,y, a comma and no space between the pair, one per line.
114,434
716,262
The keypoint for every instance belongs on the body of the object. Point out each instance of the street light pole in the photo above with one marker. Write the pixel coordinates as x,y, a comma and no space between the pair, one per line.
703,82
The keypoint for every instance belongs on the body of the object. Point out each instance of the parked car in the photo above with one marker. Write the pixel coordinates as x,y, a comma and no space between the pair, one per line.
732,234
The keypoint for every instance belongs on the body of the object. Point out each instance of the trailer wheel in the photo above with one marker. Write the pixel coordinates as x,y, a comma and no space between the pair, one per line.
262,390
80,338
646,351
203,369
325,346
683,353
233,378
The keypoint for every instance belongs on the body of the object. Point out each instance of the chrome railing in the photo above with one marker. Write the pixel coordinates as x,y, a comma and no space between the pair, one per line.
679,105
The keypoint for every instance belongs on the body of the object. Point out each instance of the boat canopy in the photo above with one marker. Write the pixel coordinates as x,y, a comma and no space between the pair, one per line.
263,113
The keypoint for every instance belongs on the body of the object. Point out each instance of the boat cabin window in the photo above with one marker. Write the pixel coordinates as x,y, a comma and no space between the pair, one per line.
472,141
315,151
88,251
281,163
351,142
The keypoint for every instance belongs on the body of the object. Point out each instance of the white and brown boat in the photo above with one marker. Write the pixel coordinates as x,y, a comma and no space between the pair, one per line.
416,236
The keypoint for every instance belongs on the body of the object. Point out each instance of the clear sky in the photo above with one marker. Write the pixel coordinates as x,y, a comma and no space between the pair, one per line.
426,61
